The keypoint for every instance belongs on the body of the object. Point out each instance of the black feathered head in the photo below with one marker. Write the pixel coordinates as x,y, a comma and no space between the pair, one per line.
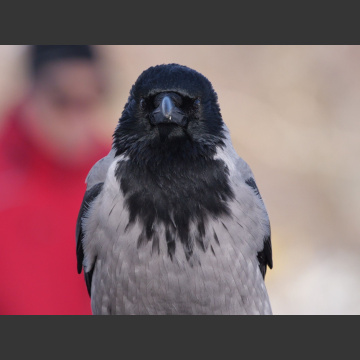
172,113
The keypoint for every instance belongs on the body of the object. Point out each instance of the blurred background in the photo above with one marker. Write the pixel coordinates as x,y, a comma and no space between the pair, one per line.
293,114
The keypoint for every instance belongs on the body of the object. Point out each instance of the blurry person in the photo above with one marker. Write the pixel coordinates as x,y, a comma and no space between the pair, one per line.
47,146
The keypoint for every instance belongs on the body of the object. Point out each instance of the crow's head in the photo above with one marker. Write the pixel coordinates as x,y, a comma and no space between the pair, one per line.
172,113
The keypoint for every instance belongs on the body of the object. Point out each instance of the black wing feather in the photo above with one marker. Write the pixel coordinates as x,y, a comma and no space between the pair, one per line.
89,197
265,255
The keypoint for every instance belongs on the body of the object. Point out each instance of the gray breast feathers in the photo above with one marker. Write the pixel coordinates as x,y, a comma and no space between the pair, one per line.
223,275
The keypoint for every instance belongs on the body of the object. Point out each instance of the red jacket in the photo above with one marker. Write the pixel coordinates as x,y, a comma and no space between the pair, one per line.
39,204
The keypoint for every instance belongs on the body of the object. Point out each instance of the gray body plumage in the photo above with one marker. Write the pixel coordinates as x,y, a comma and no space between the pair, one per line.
223,278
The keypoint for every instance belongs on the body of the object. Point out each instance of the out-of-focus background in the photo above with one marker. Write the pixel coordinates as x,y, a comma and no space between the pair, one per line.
293,114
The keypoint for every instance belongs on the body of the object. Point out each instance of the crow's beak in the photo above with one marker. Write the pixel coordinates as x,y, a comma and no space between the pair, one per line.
168,113
167,107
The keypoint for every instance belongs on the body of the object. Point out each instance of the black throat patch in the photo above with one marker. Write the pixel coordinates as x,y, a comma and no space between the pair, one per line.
182,196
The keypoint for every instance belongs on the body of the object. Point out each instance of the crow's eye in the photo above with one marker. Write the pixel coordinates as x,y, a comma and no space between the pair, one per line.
142,104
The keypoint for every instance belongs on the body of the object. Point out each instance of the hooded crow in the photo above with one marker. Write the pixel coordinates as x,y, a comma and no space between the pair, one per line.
172,221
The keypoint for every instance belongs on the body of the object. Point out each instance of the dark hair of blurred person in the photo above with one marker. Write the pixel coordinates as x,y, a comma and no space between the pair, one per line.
47,146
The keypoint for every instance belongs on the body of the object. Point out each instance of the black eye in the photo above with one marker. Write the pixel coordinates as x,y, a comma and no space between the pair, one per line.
197,103
142,104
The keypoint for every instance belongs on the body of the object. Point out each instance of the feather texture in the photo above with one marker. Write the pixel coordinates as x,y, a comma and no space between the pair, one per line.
172,221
